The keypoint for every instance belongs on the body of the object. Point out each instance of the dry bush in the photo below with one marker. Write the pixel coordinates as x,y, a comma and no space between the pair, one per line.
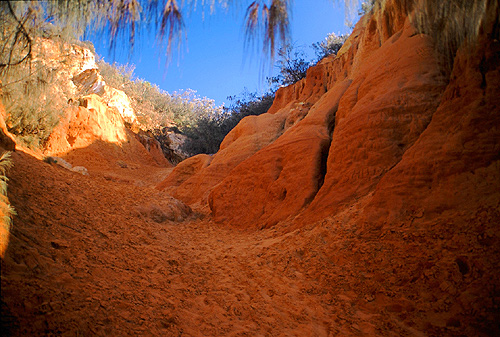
6,210
33,108
451,23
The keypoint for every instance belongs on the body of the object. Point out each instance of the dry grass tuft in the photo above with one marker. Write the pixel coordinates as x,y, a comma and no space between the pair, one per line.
6,210
451,23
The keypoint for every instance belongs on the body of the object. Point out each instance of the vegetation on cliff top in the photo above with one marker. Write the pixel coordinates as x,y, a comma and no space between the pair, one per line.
204,123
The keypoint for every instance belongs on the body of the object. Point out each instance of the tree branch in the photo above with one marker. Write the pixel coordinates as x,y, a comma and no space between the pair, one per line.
23,31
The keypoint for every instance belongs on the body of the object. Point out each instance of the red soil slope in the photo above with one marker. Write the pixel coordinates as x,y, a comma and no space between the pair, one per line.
95,256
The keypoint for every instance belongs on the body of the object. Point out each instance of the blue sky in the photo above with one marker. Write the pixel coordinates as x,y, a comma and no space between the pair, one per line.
212,59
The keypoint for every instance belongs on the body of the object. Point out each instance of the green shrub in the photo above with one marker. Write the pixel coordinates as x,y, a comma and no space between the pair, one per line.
366,7
116,75
209,131
330,46
292,67
157,109
32,94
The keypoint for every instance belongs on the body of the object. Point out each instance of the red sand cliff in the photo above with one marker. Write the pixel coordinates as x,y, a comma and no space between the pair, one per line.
380,119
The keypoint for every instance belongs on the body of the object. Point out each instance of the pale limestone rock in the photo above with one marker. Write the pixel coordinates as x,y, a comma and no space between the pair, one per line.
59,161
119,100
80,169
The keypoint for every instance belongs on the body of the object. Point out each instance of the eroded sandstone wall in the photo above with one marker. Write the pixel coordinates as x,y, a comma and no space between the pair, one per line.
382,121
344,125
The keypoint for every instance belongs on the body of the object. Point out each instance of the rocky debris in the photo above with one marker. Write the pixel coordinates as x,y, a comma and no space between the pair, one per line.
172,143
64,164
176,142
89,82
166,209
122,164
80,169
58,161
153,146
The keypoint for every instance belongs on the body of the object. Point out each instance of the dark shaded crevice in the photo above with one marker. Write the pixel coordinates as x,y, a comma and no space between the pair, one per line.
71,140
321,170
331,125
325,151
323,160
483,69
